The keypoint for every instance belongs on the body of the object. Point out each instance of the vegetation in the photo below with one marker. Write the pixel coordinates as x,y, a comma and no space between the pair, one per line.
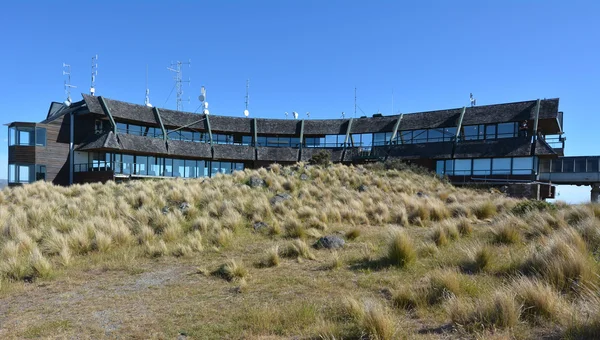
176,258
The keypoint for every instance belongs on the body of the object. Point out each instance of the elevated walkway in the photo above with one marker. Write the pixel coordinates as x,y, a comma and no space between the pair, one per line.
579,170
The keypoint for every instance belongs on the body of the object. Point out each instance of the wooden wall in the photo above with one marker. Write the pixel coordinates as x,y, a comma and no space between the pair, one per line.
23,155
55,155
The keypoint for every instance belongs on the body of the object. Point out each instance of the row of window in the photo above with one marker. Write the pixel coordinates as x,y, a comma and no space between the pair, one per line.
26,136
487,166
156,166
569,165
468,132
18,173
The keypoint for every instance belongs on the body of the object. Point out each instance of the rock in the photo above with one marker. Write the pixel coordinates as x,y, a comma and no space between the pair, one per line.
330,242
280,198
184,206
304,177
256,182
363,188
421,194
260,226
386,293
166,210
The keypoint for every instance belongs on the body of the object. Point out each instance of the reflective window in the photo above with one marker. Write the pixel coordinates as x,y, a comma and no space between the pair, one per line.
482,166
190,169
450,167
490,131
522,166
246,140
439,167
141,163
435,135
419,136
40,172
592,165
471,132
406,137
556,165
580,164
506,130
12,175
449,133
178,168
568,165
12,136
501,166
168,167
127,164
462,167
545,165
40,136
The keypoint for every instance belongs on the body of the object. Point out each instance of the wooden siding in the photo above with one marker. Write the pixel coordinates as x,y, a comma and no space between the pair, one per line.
18,154
55,155
93,176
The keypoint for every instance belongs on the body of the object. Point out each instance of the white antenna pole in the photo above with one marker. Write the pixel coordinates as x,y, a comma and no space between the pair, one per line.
94,74
176,67
246,112
147,100
68,85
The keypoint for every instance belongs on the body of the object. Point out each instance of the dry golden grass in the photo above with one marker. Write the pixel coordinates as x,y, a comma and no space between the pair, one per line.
124,258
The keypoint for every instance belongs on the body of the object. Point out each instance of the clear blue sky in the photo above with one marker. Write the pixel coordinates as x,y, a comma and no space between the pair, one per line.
309,56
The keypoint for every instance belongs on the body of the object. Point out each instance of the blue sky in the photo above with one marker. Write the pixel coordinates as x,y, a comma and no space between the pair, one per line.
308,56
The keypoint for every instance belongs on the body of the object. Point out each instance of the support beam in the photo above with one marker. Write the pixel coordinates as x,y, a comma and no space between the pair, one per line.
537,118
210,137
159,119
255,132
396,126
348,132
71,146
595,196
459,125
107,111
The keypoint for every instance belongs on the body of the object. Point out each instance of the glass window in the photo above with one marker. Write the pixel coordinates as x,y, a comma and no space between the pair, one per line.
40,136
121,127
12,136
225,168
40,172
135,130
127,166
187,136
246,140
419,136
462,167
449,167
556,165
579,164
435,135
501,166
178,168
25,136
141,165
506,130
568,165
239,166
592,165
168,167
118,163
214,168
190,169
439,167
12,173
482,166
24,172
490,131
471,132
199,169
545,165
262,141
406,137
152,167
378,139
294,142
449,133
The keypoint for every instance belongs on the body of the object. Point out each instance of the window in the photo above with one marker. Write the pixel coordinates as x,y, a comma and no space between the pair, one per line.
579,164
501,166
127,164
12,136
592,165
246,140
435,135
12,176
568,165
406,137
471,132
190,169
420,136
122,127
449,133
482,166
524,166
178,168
168,167
40,172
26,136
490,131
439,167
506,130
141,165
40,136
545,165
21,173
449,167
239,167
462,167
557,165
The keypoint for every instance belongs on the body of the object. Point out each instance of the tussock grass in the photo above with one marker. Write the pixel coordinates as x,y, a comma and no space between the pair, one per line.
501,311
401,250
232,270
298,249
372,318
485,210
539,301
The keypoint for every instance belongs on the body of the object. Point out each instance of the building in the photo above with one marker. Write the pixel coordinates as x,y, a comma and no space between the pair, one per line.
100,139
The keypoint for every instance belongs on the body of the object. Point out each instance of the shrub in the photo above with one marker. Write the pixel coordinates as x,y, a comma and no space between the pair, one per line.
232,271
401,250
526,206
322,158
485,210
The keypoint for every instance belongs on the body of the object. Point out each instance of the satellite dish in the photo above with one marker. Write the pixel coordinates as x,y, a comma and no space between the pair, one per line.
201,97
67,102
246,113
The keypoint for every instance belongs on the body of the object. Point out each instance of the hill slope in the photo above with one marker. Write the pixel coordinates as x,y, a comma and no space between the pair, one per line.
191,259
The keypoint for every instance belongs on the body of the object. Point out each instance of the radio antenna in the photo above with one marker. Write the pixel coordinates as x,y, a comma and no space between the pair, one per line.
147,100
355,102
68,86
246,112
176,67
94,74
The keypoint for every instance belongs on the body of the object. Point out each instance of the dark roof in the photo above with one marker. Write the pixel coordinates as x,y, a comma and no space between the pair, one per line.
485,114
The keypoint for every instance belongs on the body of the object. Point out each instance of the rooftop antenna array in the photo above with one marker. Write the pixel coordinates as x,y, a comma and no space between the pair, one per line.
203,102
308,115
147,100
68,86
295,114
94,74
246,112
176,67
472,99
343,115
286,114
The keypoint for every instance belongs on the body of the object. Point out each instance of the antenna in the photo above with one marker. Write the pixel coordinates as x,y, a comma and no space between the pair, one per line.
308,115
343,115
202,99
94,74
246,112
286,114
473,100
295,114
176,67
147,100
68,86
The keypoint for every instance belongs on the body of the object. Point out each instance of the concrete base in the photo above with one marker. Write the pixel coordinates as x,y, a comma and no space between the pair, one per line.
595,195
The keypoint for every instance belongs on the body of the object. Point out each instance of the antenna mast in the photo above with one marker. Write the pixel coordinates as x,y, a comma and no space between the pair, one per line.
176,67
147,100
68,86
94,74
246,112
355,102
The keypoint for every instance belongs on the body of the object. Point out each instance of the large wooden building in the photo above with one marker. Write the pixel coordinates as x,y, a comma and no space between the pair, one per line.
100,139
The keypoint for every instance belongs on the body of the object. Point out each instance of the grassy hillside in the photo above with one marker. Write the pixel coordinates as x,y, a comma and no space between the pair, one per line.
191,259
